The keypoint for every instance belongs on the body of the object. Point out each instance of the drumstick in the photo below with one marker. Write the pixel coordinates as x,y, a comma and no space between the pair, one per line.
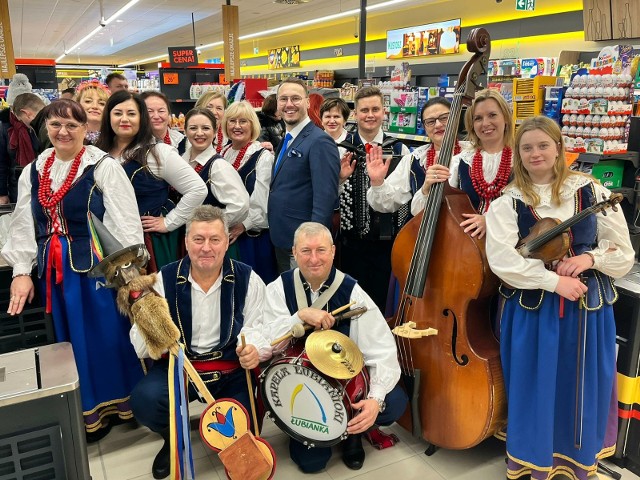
250,386
299,329
343,308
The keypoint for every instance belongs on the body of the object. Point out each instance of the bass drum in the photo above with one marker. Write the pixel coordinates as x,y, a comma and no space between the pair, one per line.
307,405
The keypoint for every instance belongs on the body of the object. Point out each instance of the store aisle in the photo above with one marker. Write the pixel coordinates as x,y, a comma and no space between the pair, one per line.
127,454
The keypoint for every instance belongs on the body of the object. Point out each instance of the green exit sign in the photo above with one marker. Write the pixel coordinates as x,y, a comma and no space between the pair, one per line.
526,5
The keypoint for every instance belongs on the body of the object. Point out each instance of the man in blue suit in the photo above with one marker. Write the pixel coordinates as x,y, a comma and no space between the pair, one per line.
304,181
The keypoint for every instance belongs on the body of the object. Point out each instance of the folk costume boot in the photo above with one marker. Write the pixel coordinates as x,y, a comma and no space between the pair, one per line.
352,452
162,463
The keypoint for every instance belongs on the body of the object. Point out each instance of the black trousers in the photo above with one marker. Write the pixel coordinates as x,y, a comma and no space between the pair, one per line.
369,262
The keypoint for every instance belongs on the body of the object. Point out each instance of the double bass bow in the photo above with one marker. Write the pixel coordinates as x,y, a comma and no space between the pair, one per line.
449,356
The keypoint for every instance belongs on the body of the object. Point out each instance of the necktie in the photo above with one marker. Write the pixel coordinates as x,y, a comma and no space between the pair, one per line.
287,139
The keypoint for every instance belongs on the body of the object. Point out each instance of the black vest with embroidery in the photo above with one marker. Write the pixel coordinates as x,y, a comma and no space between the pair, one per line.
466,185
205,175
341,297
233,294
357,218
582,238
73,210
247,171
152,192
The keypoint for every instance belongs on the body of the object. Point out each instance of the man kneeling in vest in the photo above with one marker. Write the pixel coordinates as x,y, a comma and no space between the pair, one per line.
212,300
307,295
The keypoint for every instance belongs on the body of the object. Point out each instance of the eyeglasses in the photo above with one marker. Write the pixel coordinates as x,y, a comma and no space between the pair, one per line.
296,100
70,127
430,122
243,122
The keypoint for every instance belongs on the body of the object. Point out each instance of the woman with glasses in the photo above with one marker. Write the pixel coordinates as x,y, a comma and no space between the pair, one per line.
160,114
216,103
50,229
152,168
482,171
390,194
253,163
225,187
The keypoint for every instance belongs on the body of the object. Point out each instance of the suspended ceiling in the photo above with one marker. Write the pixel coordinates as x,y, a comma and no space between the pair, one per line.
47,28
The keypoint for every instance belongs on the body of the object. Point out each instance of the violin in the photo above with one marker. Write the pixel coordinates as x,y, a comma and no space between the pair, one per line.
548,239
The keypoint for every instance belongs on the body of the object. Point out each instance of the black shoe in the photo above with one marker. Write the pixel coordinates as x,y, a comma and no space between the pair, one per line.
162,463
352,452
99,434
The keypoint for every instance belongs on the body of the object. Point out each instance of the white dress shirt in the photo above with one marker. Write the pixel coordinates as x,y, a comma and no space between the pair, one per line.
165,163
295,131
490,165
528,273
257,217
205,317
369,331
121,210
225,184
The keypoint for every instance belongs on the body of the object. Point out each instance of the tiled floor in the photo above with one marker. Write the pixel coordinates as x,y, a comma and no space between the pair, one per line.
127,454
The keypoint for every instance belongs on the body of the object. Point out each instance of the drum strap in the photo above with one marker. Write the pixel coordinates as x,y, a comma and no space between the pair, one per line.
323,299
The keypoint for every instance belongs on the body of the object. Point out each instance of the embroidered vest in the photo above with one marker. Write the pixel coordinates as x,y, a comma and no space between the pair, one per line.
152,192
466,185
205,174
247,171
73,210
357,217
233,294
341,297
582,237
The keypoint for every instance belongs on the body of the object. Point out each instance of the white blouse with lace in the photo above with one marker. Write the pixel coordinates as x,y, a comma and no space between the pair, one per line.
613,255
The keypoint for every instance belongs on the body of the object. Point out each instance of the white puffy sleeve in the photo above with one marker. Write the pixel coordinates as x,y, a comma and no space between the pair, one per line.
504,260
21,249
227,187
164,161
395,190
614,254
257,218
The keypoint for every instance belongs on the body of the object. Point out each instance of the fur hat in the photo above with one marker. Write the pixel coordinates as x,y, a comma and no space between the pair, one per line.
19,84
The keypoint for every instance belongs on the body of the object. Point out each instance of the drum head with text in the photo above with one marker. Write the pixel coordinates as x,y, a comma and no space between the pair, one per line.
304,404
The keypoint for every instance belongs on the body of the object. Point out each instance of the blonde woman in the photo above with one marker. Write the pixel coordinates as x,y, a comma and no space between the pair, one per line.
558,335
217,103
253,163
92,96
483,170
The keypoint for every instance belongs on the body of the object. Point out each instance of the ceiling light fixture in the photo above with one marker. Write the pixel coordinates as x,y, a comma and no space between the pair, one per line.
103,23
328,18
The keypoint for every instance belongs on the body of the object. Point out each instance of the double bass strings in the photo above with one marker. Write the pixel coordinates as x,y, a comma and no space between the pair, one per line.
418,267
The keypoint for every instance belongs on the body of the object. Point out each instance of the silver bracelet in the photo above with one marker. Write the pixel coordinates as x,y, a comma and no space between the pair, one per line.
21,275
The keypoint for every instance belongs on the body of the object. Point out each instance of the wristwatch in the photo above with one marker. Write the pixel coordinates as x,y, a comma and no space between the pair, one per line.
381,403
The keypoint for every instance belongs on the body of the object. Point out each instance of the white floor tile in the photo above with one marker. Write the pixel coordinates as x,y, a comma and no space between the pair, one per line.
127,454
412,468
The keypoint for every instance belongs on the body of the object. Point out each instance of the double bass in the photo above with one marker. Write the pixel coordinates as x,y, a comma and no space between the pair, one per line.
449,356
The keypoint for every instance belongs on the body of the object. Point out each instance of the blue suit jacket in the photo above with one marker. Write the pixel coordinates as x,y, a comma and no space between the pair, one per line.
305,187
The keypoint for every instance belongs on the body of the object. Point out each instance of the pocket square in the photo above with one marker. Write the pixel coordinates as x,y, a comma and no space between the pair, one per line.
294,153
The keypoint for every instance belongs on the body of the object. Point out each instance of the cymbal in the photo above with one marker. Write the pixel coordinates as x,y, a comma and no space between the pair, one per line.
334,354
